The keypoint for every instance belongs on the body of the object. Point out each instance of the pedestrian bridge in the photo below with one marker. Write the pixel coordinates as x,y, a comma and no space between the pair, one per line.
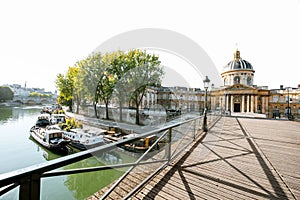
238,158
34,100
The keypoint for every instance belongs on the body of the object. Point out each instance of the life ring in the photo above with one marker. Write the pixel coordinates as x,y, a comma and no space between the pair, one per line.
87,141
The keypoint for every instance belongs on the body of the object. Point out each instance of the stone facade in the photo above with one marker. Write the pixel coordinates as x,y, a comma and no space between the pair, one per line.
238,95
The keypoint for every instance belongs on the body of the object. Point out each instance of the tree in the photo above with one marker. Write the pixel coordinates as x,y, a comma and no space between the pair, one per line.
6,94
66,87
136,71
106,84
91,71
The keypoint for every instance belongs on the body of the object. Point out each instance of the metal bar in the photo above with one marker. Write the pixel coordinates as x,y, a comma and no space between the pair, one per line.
10,177
130,169
169,145
35,172
180,141
30,187
144,181
24,192
92,169
194,130
8,188
72,171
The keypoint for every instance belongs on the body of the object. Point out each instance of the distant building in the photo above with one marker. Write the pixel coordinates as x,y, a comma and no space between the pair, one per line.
19,90
22,95
238,95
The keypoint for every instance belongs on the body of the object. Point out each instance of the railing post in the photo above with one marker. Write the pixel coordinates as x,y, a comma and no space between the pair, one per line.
195,129
30,187
170,143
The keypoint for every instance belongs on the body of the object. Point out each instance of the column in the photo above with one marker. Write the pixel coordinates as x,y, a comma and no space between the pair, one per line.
227,102
256,104
267,106
243,103
231,103
263,105
252,103
248,103
212,103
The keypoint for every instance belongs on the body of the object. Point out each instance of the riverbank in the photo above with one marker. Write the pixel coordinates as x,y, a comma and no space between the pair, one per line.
127,127
10,104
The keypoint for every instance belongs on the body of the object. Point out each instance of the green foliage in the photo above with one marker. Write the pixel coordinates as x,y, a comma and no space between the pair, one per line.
126,75
57,111
6,94
71,123
66,86
137,70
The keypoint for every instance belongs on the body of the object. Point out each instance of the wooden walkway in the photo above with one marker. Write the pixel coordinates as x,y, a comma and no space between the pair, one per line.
238,159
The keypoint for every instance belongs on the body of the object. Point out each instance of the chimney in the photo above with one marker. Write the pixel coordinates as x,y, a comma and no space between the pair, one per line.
281,87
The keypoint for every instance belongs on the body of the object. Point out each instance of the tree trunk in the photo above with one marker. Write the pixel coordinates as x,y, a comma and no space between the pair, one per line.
106,110
121,111
77,108
95,109
137,114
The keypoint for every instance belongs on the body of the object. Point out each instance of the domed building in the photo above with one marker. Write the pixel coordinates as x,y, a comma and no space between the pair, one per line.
238,71
239,95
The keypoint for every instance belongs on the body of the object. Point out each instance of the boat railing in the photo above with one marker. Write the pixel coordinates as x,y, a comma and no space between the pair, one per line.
173,138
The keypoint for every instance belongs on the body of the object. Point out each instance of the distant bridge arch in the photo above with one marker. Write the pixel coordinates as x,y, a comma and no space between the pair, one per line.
34,100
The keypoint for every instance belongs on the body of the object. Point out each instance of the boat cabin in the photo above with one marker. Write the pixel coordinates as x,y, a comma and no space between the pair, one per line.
53,135
58,118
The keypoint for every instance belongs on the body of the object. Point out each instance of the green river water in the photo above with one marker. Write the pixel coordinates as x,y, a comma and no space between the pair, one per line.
18,150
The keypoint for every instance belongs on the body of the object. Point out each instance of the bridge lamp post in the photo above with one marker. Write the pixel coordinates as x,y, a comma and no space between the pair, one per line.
288,101
206,84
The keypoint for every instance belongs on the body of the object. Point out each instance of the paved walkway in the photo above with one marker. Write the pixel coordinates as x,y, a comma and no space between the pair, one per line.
239,158
91,121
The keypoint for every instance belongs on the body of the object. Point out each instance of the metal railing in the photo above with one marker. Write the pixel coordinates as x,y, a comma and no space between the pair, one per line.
176,136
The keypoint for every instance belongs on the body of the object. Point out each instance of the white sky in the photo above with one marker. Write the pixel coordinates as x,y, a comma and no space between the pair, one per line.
39,39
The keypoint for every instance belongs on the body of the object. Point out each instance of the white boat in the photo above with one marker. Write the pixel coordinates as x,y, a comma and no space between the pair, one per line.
58,118
85,139
50,137
43,120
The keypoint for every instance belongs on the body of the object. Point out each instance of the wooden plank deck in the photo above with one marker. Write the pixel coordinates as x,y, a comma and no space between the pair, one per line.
141,172
258,160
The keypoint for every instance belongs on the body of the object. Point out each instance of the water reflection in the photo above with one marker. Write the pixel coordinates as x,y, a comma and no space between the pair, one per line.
18,151
15,113
6,113
47,154
84,184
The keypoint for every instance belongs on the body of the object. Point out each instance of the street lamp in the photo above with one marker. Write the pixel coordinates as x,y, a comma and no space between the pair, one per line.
288,101
206,84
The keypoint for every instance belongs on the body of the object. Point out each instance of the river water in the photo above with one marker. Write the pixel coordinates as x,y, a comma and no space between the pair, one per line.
18,150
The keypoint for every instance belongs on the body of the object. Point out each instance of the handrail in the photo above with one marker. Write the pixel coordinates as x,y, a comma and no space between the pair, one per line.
29,178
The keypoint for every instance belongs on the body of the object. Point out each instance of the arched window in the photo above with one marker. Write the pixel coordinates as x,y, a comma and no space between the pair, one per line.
249,81
225,81
237,80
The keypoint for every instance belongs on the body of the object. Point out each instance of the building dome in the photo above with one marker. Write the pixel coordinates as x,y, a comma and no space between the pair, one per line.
238,71
238,63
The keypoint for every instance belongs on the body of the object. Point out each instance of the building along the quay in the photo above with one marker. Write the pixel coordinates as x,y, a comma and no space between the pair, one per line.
237,96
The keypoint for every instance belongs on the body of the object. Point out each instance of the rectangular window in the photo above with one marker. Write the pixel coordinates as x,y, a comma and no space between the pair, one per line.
275,99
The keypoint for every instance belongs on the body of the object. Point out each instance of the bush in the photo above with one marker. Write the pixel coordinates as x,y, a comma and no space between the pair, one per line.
6,94
71,123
